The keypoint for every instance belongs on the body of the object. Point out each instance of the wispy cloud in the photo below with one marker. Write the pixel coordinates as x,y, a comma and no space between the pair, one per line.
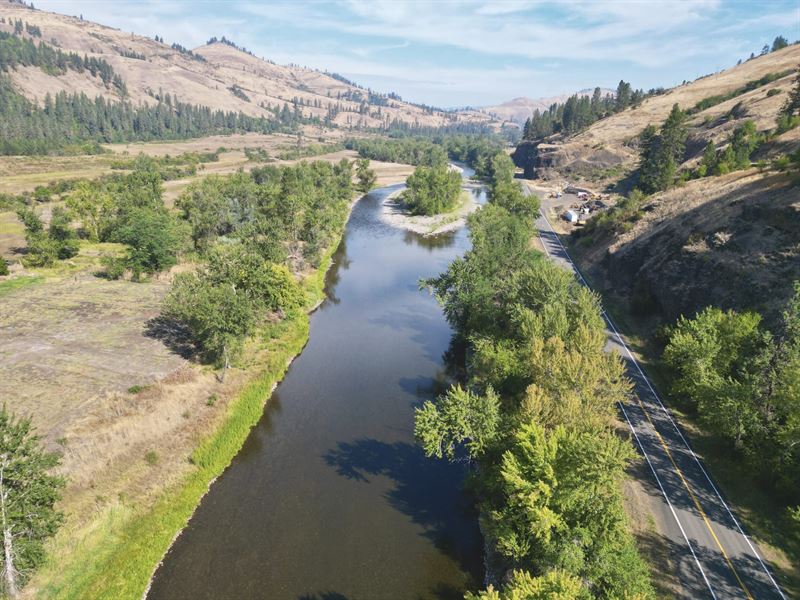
470,51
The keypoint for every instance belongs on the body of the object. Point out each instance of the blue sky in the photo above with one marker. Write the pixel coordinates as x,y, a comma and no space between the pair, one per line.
453,53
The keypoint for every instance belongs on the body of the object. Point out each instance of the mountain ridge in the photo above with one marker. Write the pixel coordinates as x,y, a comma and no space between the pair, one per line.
218,75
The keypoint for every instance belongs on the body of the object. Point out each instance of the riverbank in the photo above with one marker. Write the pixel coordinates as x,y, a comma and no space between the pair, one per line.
113,552
395,213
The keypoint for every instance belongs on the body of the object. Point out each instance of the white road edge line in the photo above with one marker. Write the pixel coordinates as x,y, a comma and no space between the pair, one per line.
667,413
664,493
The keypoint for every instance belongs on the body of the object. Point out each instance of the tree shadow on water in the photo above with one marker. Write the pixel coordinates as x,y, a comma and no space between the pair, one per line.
428,491
323,596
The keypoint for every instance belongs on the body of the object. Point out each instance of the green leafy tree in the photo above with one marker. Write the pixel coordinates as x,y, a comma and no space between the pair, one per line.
61,232
218,315
267,285
561,505
366,176
553,585
44,248
93,206
458,417
28,495
432,190
153,238
713,357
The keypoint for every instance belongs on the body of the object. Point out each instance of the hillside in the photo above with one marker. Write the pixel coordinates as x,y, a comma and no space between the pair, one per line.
218,75
519,109
730,240
609,147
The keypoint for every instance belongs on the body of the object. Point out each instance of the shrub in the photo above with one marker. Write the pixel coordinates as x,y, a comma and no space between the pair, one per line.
115,267
3,267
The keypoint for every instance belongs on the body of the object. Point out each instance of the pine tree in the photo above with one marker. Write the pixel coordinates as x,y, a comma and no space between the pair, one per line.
792,105
780,43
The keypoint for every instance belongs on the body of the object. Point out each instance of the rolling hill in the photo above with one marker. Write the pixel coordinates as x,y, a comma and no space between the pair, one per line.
218,75
611,143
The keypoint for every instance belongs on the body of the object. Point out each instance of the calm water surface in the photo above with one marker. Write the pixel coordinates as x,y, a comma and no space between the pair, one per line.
330,499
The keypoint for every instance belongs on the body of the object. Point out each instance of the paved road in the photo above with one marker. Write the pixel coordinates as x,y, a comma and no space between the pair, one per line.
715,557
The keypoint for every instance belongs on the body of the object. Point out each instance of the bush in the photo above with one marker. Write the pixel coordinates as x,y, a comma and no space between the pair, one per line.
3,267
115,267
42,251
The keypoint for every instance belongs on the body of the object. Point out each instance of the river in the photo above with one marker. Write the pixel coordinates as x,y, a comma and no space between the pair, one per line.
330,498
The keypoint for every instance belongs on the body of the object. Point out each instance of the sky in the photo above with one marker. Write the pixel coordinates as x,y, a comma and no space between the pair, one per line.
451,53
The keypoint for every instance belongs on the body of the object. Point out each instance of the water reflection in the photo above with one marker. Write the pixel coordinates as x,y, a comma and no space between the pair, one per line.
430,242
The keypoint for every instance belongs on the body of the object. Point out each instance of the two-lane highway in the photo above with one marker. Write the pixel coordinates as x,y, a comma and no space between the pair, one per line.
715,557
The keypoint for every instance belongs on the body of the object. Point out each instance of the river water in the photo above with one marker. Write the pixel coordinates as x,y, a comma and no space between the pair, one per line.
330,498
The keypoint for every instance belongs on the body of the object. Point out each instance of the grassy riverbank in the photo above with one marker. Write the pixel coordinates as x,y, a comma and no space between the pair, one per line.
116,555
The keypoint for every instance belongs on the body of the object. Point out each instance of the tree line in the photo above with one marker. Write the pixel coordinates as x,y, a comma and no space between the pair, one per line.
18,51
73,119
431,151
252,232
743,382
579,111
536,413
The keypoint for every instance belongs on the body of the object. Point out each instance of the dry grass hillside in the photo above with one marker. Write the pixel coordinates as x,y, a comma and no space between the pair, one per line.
607,149
206,82
731,241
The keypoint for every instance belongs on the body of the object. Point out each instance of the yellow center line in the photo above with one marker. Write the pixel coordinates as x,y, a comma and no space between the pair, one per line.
694,499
